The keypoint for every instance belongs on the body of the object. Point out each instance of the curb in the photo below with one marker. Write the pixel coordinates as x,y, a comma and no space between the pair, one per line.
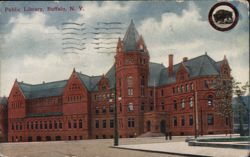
161,152
217,145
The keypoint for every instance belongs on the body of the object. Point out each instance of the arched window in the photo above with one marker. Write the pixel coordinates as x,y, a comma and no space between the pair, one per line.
210,100
80,123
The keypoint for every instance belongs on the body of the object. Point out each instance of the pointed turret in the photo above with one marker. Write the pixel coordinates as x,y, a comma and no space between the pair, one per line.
131,37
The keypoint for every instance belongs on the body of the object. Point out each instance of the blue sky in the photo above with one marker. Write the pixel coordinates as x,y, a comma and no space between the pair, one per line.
31,42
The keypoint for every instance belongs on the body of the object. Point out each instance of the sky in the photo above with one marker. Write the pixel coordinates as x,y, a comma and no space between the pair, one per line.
33,50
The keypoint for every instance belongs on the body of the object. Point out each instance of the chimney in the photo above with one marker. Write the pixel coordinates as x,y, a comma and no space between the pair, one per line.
185,59
170,64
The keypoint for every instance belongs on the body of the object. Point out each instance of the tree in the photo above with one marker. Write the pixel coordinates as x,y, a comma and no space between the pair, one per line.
241,107
223,102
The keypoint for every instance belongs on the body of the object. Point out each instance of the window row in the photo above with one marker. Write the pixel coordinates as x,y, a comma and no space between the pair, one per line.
210,120
104,123
131,123
183,121
16,105
182,103
104,109
75,98
104,96
47,125
183,88
74,87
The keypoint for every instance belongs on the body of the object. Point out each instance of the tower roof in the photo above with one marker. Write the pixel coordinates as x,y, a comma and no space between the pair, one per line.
131,37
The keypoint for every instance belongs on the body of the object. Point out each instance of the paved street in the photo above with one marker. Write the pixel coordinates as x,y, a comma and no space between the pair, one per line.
83,148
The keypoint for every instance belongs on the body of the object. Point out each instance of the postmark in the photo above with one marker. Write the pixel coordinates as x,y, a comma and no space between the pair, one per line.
223,16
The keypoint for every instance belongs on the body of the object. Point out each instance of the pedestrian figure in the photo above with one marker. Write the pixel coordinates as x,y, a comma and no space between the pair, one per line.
166,135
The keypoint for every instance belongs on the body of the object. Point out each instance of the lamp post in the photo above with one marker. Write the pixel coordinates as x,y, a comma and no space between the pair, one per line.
196,113
116,138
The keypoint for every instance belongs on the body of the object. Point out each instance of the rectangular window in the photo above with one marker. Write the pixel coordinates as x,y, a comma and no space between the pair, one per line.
55,124
191,120
103,109
50,124
175,121
103,123
120,107
111,124
142,107
162,106
96,123
45,125
162,92
191,102
111,109
210,119
191,86
173,90
96,110
142,91
130,91
182,120
131,122
60,124
130,107
75,125
175,105
205,84
41,125
28,126
80,123
182,103
36,125
69,124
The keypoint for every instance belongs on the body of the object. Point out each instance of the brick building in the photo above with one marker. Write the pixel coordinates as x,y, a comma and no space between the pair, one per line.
150,98
3,118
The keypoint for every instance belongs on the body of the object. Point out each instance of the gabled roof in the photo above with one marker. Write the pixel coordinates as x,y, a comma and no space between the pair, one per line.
89,81
199,66
42,90
131,37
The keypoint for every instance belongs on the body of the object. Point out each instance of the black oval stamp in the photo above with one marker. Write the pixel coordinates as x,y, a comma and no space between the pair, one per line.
223,16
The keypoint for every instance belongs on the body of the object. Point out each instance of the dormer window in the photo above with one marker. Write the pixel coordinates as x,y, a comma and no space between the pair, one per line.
141,47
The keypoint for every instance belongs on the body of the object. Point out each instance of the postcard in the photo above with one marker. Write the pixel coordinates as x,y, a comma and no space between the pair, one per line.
109,78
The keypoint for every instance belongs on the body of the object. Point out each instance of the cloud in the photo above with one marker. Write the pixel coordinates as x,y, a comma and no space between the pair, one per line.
187,35
32,51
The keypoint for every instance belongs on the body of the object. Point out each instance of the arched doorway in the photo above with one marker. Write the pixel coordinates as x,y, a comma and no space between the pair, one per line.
148,126
163,126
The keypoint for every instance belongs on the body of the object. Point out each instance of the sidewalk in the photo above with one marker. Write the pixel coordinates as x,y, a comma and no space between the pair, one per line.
182,148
